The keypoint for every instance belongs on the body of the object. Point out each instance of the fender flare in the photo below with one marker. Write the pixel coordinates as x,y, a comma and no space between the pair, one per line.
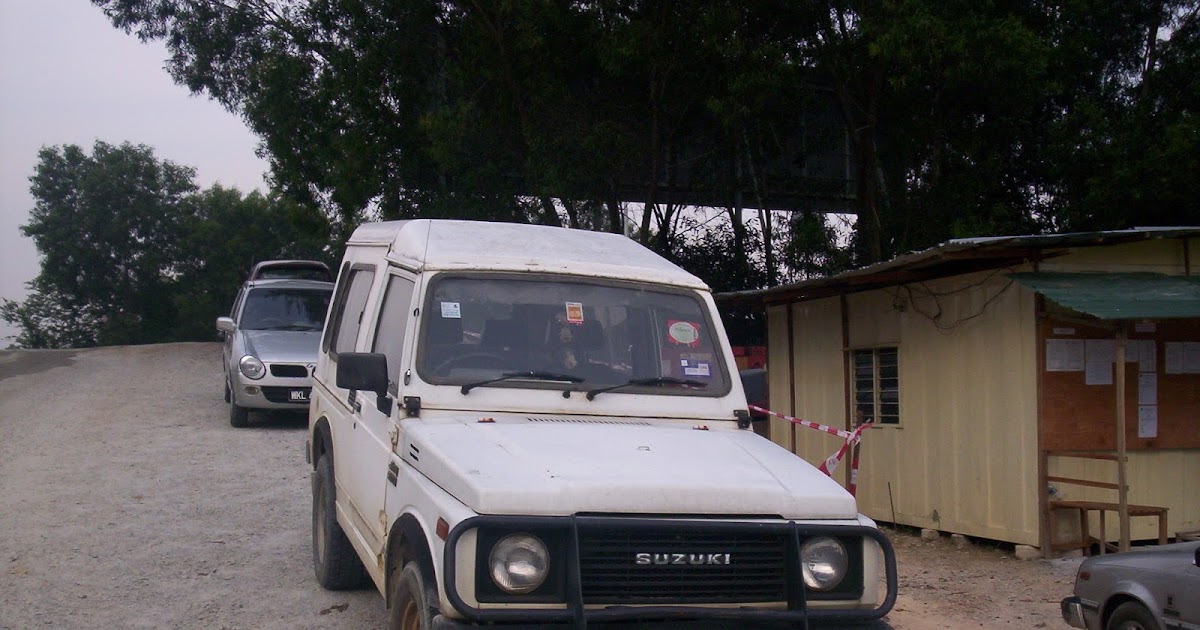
321,442
406,541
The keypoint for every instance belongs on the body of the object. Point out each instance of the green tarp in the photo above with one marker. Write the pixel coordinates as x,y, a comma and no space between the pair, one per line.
1119,295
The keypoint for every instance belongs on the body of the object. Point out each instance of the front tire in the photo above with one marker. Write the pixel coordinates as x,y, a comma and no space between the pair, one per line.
1132,616
337,565
413,603
239,417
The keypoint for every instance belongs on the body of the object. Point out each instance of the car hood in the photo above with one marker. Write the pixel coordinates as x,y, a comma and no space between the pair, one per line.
562,466
282,346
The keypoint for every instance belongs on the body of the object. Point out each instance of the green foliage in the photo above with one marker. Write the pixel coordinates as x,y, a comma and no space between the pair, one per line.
133,253
958,118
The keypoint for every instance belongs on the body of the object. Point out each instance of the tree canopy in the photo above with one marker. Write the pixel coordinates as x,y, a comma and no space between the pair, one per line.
926,119
132,252
957,118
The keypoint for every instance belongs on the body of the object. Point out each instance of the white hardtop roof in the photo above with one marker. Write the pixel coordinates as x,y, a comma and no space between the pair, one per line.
434,244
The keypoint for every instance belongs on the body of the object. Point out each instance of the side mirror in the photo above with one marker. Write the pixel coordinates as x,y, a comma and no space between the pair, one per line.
225,324
364,371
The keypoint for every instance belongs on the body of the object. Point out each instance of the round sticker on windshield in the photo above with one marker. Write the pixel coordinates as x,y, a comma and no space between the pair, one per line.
685,333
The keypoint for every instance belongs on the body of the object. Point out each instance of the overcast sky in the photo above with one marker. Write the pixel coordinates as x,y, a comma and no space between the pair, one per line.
68,77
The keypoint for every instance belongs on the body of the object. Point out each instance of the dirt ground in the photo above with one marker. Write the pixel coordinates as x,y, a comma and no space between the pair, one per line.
127,501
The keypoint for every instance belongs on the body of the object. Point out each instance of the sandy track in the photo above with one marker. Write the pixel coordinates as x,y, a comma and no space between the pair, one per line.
127,501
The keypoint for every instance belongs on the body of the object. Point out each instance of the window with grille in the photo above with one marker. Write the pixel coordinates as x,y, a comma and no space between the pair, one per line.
876,378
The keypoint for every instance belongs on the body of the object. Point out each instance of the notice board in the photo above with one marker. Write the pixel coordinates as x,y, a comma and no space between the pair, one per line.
1079,394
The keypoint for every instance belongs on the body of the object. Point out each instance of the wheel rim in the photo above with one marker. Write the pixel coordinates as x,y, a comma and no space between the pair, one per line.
410,617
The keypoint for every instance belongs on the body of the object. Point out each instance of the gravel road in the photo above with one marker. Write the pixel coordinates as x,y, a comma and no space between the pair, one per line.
127,501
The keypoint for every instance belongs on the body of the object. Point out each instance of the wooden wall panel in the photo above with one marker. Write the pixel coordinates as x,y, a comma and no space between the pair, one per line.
1078,416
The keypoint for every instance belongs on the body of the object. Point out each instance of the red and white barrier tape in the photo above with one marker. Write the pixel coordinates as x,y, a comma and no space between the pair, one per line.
829,466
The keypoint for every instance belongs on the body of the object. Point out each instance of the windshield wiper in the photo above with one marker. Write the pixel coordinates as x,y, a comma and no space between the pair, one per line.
660,380
541,376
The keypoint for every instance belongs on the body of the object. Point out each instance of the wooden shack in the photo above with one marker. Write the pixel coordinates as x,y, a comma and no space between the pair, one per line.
1030,389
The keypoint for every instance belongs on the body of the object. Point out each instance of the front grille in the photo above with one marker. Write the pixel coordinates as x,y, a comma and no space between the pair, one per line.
288,371
756,572
280,394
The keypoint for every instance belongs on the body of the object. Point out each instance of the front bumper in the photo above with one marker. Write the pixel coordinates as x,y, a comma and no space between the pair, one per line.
1072,612
576,612
272,392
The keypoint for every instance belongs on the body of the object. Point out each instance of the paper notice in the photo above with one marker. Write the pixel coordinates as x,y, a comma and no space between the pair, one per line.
1173,357
1056,355
1101,350
1191,357
1147,388
1147,355
1074,355
1147,421
1064,331
1144,327
1098,373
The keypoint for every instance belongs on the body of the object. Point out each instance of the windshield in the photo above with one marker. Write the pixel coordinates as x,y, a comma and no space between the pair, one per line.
285,309
476,329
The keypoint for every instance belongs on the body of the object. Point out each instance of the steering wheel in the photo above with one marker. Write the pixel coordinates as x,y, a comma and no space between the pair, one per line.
489,359
270,322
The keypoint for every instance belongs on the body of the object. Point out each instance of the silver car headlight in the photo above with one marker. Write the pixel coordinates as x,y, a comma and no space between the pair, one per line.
252,367
519,563
825,563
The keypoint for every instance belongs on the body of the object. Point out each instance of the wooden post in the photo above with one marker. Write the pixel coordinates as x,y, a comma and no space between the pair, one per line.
847,384
791,344
1045,532
1122,487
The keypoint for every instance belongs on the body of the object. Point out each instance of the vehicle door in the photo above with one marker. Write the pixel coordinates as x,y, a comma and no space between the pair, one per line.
346,331
379,417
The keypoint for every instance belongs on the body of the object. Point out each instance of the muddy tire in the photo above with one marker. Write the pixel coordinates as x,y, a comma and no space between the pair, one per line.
413,602
335,562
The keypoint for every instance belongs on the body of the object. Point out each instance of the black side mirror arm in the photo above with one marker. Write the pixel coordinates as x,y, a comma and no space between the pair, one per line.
384,403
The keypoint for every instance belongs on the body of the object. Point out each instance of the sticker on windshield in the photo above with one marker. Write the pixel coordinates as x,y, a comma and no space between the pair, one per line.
451,310
683,333
574,312
692,367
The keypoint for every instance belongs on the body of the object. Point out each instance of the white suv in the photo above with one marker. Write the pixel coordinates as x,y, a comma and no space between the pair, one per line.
526,425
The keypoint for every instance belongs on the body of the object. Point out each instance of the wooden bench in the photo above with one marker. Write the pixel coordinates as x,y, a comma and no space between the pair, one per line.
1085,534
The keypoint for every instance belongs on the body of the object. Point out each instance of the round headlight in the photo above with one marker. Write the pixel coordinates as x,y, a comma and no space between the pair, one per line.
252,367
825,563
519,563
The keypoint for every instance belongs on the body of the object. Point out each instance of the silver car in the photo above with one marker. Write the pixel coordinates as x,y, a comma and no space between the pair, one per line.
271,341
1154,589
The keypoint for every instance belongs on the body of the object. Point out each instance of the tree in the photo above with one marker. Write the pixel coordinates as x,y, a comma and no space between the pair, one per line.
107,227
132,253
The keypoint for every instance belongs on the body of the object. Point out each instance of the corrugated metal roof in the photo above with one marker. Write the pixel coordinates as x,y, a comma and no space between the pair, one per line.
1119,295
951,258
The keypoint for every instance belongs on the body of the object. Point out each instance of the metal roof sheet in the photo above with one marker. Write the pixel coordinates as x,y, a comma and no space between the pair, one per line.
950,258
1119,295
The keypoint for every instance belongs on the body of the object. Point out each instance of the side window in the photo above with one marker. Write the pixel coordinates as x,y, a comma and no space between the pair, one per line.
349,311
393,321
876,380
237,300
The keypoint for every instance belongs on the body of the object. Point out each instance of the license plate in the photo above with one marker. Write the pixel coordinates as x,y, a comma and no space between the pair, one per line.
298,395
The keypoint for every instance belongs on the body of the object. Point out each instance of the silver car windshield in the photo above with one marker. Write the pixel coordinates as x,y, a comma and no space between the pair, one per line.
477,328
285,309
